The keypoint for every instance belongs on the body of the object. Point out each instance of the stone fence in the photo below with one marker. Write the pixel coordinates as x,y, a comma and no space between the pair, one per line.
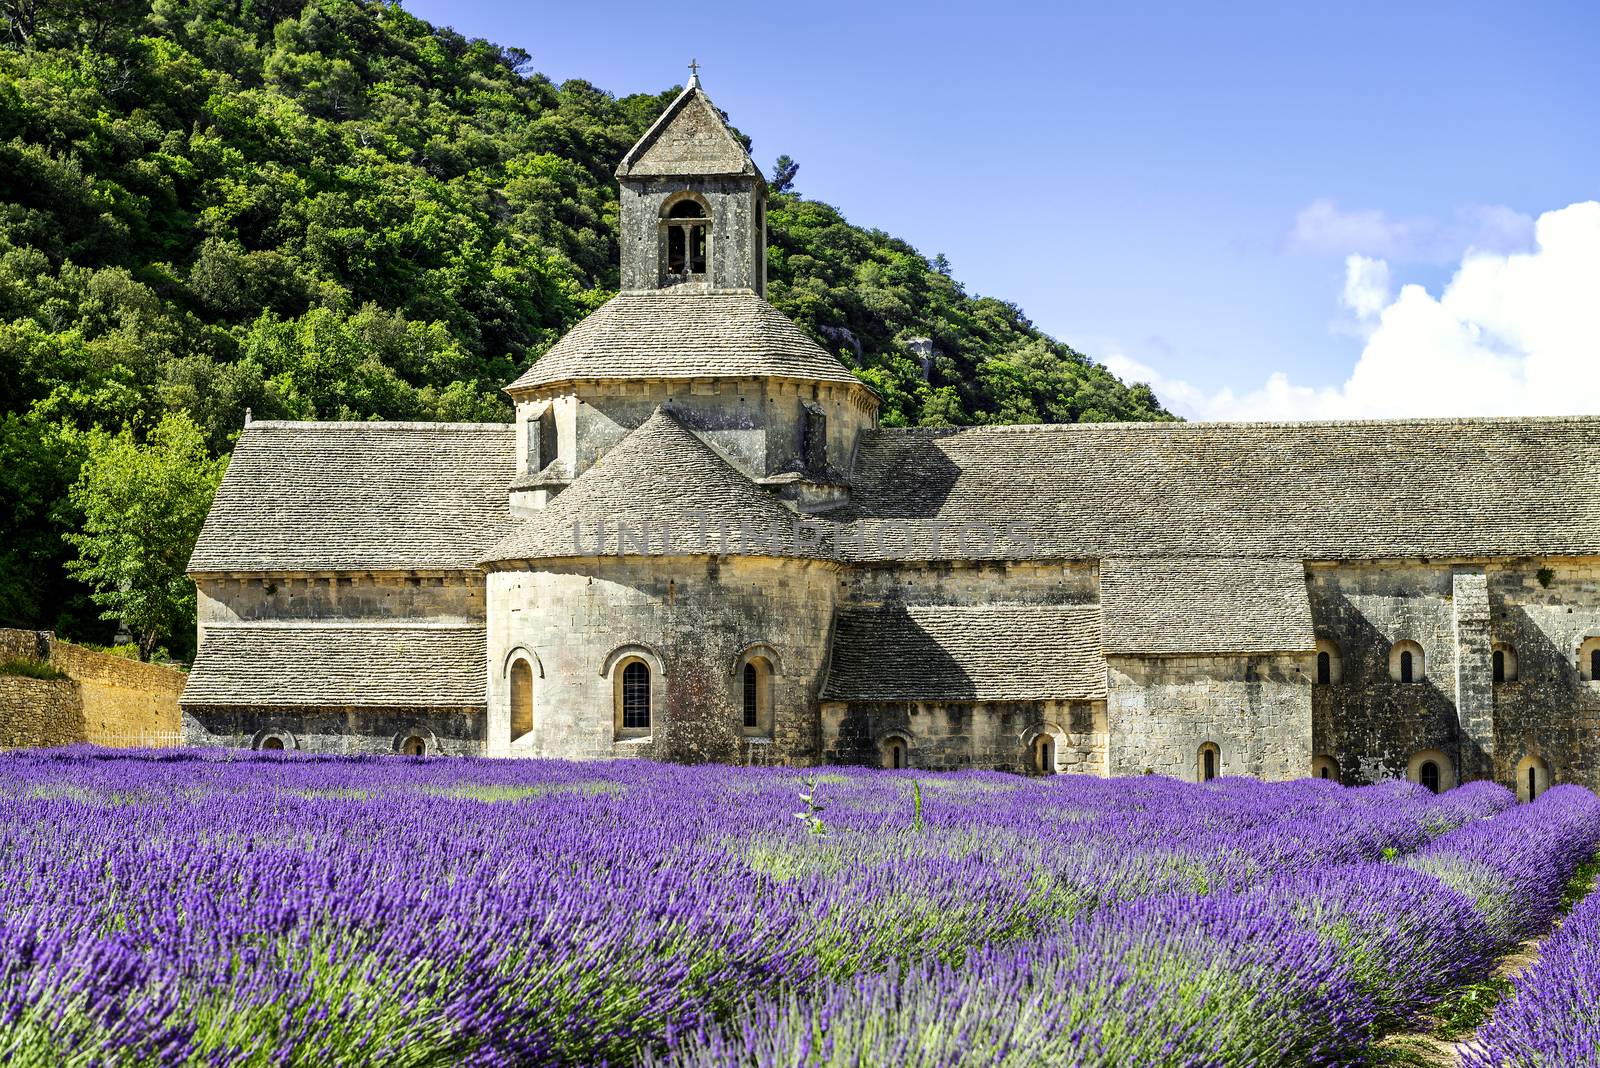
104,700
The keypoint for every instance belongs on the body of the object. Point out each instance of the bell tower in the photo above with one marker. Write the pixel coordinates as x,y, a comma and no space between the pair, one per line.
694,205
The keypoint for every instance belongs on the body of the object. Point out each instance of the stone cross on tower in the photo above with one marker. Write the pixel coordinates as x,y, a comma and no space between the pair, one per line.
694,73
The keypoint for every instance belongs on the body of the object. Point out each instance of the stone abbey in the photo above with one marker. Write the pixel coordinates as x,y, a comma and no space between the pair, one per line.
696,543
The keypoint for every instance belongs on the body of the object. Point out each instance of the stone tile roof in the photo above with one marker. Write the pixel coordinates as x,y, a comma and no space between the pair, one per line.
689,139
667,486
339,665
359,496
1157,605
677,333
1306,491
974,653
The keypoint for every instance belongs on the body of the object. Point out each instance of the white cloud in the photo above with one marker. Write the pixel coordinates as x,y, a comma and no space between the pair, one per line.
1324,227
1512,334
1366,286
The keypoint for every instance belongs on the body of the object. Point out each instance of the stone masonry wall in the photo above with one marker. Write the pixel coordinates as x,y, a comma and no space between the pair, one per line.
689,619
1551,710
106,700
448,597
1255,709
39,712
446,731
949,735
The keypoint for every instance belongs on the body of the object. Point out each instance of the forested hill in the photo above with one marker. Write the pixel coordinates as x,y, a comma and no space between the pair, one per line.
336,210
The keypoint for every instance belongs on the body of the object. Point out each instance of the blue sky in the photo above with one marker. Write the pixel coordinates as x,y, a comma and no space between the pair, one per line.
1179,189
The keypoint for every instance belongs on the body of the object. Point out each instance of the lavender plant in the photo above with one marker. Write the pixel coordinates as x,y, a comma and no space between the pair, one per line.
190,908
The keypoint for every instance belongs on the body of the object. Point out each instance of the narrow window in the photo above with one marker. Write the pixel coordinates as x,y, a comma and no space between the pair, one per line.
521,699
1405,666
636,696
1324,668
675,250
1533,783
1211,765
414,746
894,754
1044,755
1594,665
1325,772
1206,767
752,696
1428,775
697,250
1499,665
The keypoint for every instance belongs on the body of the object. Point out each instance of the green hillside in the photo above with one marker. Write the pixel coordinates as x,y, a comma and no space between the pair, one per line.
337,211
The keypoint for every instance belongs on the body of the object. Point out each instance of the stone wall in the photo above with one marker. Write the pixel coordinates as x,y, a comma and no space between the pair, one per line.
1255,709
737,245
757,423
39,712
106,700
690,619
950,735
1539,612
974,583
455,597
446,731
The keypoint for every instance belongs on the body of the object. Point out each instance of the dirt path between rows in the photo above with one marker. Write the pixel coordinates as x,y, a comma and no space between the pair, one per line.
1425,1047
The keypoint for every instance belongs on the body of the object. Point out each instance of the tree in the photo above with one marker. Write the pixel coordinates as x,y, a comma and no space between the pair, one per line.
783,171
143,505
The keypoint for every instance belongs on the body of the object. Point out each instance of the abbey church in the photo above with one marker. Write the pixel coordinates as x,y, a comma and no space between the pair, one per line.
695,543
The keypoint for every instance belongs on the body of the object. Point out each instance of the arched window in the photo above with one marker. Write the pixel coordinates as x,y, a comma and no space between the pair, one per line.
1209,763
521,698
1504,662
414,746
1428,774
1406,663
272,743
1325,767
1433,769
688,237
1330,665
1532,778
752,696
896,753
1044,754
636,696
1589,660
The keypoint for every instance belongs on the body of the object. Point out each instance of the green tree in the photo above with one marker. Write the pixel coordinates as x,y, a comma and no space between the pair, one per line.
143,505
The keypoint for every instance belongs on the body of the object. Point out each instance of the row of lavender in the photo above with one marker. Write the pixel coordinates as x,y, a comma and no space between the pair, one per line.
188,909
1308,967
1552,1017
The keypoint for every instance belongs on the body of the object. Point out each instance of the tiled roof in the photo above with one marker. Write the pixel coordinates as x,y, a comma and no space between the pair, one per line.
674,333
1305,491
666,486
973,653
1169,605
359,496
690,138
339,665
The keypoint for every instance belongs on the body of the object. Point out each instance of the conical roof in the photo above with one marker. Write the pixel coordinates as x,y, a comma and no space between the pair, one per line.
661,491
674,333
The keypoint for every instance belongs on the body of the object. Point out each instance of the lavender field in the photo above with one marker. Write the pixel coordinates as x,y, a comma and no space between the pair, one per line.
183,908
